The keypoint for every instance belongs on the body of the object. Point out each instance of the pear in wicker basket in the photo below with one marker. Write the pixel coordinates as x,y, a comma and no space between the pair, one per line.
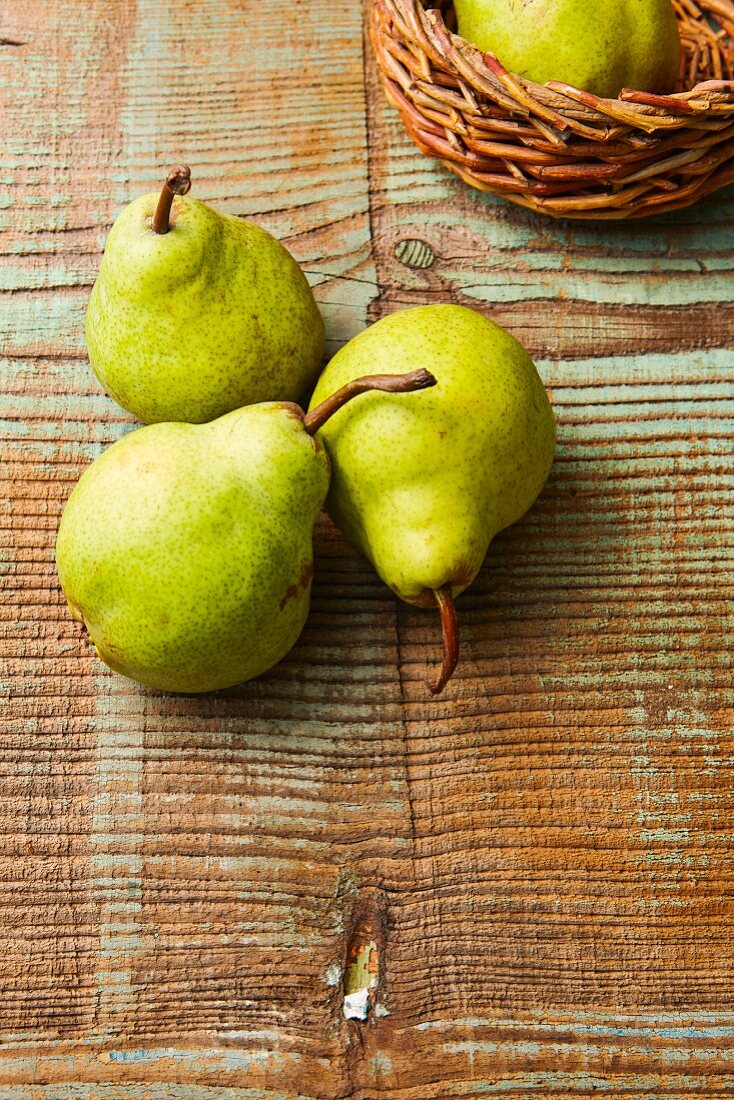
601,47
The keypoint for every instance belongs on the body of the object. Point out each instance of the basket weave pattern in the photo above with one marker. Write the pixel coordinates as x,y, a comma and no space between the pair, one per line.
554,148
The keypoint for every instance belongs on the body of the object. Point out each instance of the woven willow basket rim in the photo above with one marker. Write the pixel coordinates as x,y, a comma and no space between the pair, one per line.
553,147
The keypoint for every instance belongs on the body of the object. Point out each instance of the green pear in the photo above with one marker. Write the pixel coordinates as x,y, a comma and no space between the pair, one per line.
601,47
186,550
422,485
195,313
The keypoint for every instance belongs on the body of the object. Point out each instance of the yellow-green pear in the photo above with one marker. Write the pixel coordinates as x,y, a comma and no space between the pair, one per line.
422,485
601,47
186,550
195,313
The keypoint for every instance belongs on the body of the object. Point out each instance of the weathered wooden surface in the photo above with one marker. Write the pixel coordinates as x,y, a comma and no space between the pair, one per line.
544,856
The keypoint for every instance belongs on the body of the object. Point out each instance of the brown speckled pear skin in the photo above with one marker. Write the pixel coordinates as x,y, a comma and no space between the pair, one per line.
422,483
601,47
193,323
187,550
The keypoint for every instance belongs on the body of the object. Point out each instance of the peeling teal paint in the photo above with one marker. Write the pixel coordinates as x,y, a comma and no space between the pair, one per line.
635,1084
600,1023
665,836
379,1065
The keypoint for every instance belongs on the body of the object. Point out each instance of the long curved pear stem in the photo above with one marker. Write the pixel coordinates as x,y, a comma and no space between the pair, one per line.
450,627
386,383
178,183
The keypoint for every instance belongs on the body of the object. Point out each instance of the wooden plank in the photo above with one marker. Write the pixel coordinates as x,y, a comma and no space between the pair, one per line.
544,854
570,794
145,884
60,100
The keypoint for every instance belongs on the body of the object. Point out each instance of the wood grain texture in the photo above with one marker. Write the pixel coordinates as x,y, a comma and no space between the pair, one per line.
544,855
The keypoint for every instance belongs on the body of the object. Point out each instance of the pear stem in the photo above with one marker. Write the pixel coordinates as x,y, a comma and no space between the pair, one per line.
178,183
450,628
386,383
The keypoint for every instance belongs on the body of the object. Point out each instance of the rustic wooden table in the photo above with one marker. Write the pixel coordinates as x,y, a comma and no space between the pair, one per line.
544,856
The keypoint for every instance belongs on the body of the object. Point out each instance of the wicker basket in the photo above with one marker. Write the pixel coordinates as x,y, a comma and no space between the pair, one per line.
554,148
